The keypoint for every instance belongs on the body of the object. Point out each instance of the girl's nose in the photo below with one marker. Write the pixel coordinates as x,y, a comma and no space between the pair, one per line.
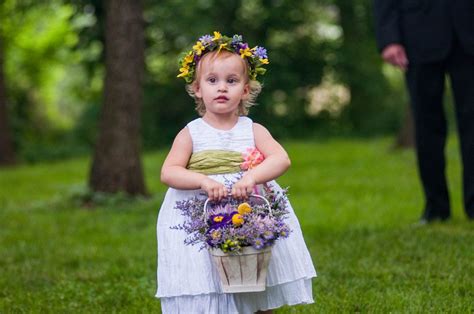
222,87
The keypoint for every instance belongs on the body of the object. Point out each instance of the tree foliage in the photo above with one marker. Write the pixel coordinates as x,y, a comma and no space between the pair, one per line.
55,67
43,73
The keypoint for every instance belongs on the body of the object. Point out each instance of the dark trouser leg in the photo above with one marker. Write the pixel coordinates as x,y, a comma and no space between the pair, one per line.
461,71
426,88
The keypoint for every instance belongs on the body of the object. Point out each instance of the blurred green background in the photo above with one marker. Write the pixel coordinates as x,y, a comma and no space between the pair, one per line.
325,75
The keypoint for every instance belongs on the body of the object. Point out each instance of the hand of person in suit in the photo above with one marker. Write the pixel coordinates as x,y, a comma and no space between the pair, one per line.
395,55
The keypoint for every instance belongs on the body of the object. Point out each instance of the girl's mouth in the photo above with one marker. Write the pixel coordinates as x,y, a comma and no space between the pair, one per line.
223,98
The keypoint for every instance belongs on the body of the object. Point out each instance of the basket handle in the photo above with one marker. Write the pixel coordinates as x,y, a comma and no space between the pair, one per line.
251,195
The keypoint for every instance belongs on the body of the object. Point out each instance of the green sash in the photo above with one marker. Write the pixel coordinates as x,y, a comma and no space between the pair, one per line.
215,162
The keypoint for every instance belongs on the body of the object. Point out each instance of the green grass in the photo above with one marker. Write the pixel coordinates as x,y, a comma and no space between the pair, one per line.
357,201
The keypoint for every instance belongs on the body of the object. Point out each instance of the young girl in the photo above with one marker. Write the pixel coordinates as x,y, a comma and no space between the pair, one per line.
221,73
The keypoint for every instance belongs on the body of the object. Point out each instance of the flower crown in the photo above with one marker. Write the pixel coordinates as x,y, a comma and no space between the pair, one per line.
256,57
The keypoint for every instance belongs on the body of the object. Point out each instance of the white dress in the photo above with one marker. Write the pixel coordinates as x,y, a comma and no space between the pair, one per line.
187,279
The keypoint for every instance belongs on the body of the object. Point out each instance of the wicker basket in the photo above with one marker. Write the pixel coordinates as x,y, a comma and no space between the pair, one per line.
245,271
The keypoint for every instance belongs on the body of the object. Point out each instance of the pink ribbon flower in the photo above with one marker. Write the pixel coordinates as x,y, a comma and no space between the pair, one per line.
252,158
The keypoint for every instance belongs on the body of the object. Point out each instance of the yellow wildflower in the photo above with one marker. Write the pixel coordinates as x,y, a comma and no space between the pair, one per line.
237,219
199,48
217,35
245,52
184,71
264,61
189,58
221,46
244,208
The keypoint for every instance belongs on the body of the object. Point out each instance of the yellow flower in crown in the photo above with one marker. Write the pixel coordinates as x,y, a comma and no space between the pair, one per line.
185,65
246,52
189,58
244,208
199,48
237,219
255,57
222,46
217,36
184,71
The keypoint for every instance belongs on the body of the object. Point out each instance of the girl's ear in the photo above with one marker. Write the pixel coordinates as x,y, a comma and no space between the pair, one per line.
197,90
246,91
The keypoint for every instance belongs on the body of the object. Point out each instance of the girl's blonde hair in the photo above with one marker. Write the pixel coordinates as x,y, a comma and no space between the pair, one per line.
255,87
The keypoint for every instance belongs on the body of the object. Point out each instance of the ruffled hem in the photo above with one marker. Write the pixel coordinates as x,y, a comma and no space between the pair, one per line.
291,293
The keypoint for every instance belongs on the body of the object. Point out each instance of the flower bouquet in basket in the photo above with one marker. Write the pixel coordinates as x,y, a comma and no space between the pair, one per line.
238,234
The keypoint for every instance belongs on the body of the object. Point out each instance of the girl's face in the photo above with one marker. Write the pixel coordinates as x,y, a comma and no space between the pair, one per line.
222,83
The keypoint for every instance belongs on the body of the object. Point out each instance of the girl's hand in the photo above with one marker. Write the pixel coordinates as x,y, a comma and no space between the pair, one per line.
215,190
244,187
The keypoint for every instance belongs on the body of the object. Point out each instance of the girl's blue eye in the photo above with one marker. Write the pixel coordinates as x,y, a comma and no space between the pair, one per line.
212,79
231,81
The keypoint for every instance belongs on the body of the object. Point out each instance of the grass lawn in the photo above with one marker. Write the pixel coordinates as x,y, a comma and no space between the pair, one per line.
357,201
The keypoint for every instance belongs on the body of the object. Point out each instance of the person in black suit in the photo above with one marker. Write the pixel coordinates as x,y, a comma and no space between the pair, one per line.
430,39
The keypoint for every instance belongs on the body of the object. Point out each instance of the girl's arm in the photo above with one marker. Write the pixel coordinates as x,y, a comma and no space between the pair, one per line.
275,164
175,174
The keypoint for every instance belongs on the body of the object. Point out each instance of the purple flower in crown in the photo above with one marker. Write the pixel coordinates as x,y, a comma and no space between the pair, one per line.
197,58
261,52
237,45
243,45
206,39
236,42
236,39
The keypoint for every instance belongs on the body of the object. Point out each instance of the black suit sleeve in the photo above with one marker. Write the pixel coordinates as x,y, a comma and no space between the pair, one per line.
387,23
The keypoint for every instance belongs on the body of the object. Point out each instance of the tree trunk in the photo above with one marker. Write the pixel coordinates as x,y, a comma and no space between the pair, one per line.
116,165
406,134
7,153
